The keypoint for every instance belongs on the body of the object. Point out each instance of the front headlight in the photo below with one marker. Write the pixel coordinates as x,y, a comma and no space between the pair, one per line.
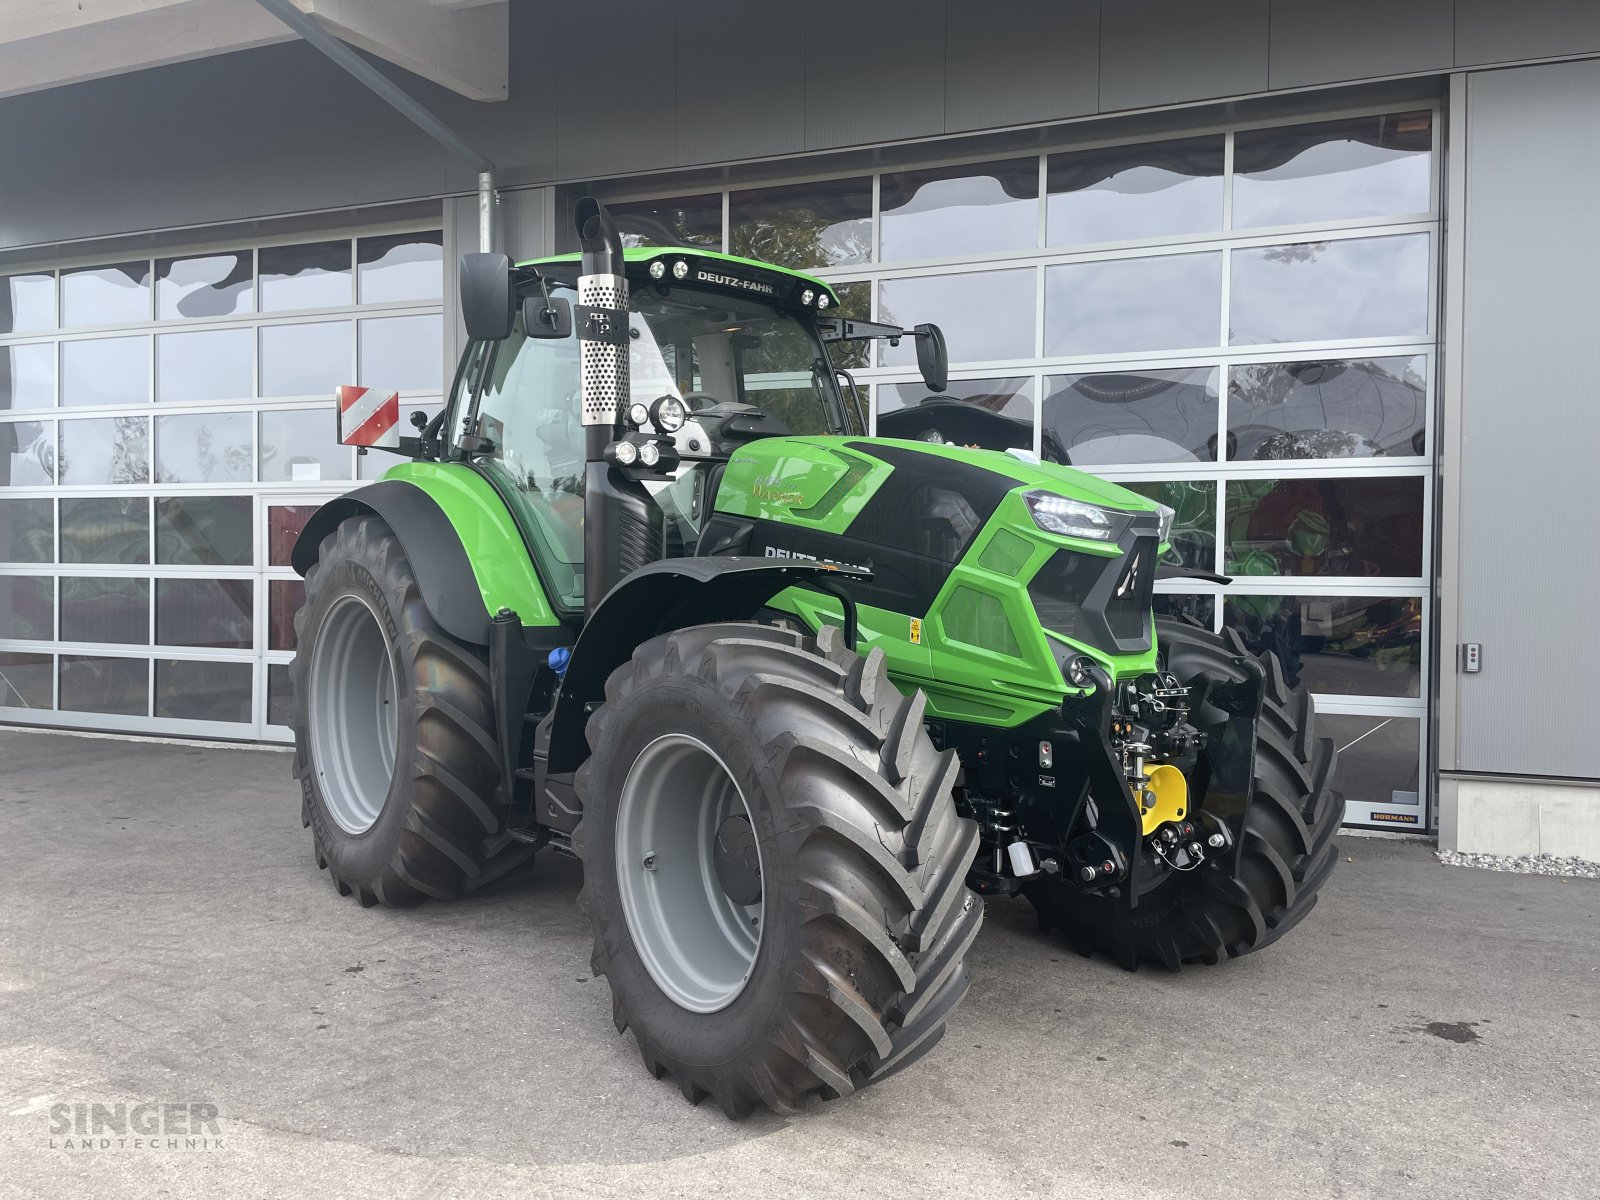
1165,535
1072,518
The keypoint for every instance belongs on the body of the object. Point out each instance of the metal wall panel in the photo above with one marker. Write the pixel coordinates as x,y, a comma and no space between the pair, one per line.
1315,42
874,72
1171,51
615,97
1530,424
732,102
1013,62
1492,31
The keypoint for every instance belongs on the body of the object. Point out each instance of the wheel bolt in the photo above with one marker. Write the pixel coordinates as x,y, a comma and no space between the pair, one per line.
649,862
1215,841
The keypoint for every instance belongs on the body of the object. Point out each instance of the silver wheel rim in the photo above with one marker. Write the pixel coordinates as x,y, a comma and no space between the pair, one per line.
353,714
698,942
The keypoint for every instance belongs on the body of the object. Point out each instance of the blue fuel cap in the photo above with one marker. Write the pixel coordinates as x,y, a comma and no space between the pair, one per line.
558,660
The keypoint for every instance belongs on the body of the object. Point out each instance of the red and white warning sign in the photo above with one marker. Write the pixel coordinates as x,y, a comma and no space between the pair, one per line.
368,418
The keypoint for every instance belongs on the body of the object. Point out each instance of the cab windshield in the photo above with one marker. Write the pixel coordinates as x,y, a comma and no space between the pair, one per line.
712,351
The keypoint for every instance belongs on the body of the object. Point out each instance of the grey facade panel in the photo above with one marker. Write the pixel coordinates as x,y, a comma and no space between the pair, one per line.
1529,421
615,98
1014,62
257,133
735,102
1315,42
1172,51
1492,31
874,72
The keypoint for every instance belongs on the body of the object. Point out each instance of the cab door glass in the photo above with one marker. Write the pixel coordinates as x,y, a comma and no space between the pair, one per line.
528,411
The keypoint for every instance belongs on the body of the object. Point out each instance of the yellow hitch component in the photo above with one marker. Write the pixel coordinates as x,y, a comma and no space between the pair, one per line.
1170,791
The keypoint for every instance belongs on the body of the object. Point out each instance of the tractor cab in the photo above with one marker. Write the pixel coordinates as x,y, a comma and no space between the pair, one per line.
719,352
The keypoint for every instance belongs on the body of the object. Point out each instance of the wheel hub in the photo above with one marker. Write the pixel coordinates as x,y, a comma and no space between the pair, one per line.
353,714
689,873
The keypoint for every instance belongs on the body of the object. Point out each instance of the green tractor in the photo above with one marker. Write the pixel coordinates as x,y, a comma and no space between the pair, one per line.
648,594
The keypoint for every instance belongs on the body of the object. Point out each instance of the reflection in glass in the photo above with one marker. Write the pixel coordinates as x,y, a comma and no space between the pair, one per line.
1343,645
284,523
105,608
120,686
26,607
189,690
1320,291
27,453
805,225
305,360
314,275
106,450
208,364
27,302
1011,397
1379,758
1362,527
27,376
985,315
1121,193
284,598
27,530
1168,302
678,221
280,694
942,212
1333,170
26,680
1135,416
301,445
114,295
397,267
400,266
1173,604
1194,522
1339,409
204,448
216,613
207,285
402,354
205,531
105,529
105,371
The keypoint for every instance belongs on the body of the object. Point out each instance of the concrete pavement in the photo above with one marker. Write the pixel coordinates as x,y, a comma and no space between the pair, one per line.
165,937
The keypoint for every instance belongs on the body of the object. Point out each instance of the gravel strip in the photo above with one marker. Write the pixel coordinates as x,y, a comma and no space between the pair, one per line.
1523,864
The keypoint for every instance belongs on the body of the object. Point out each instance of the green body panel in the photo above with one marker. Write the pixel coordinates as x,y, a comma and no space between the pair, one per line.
813,482
494,546
647,254
980,654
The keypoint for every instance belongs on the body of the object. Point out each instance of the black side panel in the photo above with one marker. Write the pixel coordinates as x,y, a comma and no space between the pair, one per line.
656,599
444,574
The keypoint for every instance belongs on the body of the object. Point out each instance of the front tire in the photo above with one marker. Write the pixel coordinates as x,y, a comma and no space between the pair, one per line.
393,720
1288,849
827,949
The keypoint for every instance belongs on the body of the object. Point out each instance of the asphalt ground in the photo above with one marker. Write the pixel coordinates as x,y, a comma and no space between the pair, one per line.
166,939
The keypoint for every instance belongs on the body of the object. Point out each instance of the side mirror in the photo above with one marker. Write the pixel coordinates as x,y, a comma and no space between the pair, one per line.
552,319
488,301
933,358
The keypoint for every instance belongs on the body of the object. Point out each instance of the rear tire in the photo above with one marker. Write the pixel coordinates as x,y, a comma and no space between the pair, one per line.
393,720
1288,851
863,914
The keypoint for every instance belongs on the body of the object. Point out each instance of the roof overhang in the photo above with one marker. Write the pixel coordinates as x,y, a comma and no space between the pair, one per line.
458,44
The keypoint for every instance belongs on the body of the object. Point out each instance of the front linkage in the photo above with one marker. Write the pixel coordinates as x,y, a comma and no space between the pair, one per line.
1081,796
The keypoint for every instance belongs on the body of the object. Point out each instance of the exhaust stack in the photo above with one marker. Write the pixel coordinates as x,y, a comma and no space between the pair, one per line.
602,316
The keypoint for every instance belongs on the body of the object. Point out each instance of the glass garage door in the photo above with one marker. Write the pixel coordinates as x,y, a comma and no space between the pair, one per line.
166,424
1239,322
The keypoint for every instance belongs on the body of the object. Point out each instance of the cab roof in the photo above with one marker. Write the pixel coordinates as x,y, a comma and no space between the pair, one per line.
642,256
